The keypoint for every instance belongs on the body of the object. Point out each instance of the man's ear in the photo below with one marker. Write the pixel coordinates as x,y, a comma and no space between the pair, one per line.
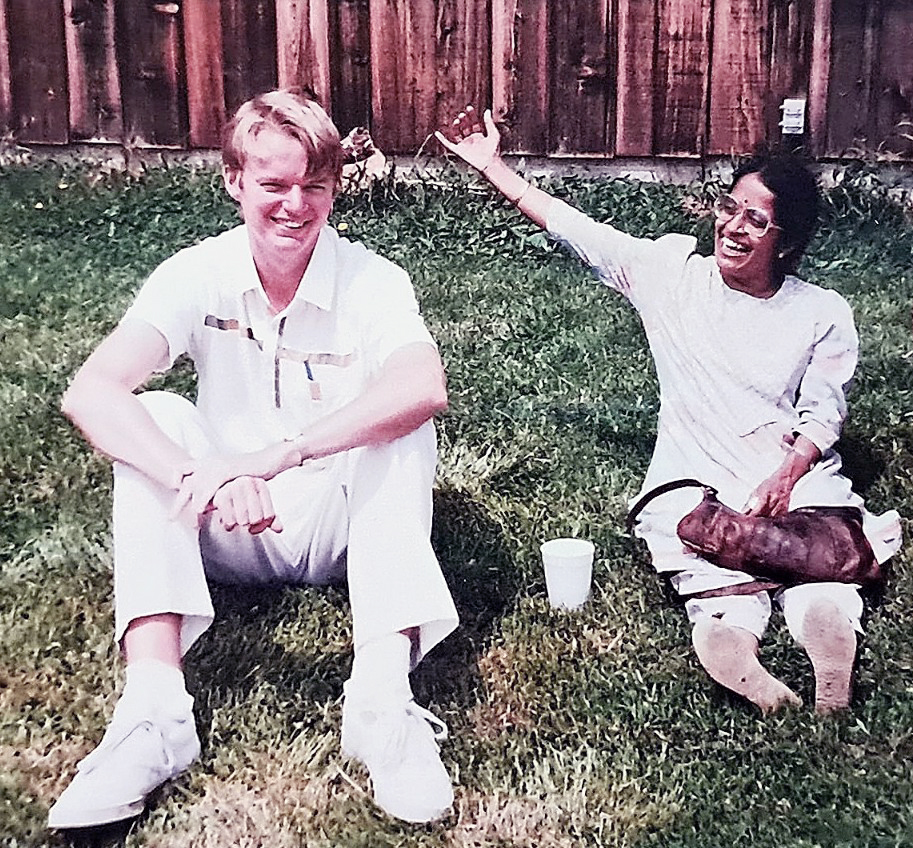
231,178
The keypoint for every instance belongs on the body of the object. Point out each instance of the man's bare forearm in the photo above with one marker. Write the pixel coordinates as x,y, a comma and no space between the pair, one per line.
115,423
409,390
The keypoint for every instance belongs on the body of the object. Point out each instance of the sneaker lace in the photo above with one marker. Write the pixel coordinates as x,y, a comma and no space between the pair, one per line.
438,728
115,737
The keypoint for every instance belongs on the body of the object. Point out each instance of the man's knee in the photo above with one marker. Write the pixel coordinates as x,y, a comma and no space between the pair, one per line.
421,443
178,419
166,407
408,460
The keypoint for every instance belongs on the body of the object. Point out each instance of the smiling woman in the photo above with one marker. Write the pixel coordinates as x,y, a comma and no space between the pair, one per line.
753,365
765,223
746,240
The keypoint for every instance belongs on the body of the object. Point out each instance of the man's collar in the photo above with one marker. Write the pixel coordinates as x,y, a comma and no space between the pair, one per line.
318,283
319,278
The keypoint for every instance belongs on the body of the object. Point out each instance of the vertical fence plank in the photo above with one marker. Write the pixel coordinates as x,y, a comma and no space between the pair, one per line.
350,67
503,62
819,76
152,74
38,75
680,82
303,47
401,71
6,96
248,49
503,67
581,81
739,76
462,44
520,69
94,85
636,68
427,60
205,90
790,57
893,106
392,105
846,107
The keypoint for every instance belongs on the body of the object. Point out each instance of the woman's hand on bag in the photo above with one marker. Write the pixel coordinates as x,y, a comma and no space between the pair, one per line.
771,498
476,141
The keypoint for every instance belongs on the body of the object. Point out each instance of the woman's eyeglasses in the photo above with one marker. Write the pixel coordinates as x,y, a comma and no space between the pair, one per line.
757,221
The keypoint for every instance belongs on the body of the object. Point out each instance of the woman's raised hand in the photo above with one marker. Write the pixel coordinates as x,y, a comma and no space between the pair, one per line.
475,141
478,143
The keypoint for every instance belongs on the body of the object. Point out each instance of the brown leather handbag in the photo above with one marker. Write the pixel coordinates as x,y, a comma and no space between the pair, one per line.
809,544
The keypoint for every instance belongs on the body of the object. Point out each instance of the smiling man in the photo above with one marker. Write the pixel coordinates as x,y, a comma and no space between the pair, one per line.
307,458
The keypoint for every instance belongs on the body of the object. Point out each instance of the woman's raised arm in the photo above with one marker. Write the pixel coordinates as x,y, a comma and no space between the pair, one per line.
478,143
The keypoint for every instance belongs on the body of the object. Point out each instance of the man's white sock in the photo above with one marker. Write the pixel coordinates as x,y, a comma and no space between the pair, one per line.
381,668
156,683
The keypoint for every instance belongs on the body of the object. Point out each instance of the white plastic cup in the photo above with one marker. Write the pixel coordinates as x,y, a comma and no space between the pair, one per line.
568,572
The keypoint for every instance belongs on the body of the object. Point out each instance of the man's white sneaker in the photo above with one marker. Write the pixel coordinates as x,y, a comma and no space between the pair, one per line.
141,749
399,747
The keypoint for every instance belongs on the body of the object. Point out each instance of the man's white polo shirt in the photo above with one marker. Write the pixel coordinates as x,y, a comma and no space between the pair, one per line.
265,376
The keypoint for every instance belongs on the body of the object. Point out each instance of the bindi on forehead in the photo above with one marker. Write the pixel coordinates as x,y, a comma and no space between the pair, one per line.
752,191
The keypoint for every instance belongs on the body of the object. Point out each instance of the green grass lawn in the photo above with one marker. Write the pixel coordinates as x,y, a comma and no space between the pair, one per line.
596,728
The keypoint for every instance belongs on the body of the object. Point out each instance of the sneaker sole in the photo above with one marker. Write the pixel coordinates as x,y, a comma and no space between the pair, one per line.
413,815
95,818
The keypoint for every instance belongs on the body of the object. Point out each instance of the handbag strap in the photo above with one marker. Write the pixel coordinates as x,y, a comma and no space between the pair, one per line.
662,489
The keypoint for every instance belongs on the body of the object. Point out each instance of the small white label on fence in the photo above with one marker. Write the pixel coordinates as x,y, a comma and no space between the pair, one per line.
793,122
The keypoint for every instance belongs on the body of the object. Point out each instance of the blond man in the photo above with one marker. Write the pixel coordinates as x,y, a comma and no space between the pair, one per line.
307,458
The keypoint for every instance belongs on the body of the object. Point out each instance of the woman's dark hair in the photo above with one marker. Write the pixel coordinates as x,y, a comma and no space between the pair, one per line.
796,199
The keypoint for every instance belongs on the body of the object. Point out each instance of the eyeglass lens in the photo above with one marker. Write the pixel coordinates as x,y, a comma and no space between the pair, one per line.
727,207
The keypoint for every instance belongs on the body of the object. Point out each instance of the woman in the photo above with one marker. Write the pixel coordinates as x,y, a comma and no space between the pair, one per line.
753,366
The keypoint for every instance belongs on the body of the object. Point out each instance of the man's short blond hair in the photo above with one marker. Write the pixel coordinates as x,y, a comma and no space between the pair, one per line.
291,112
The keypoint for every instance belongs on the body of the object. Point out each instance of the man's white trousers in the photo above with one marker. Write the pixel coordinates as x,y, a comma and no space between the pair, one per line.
364,514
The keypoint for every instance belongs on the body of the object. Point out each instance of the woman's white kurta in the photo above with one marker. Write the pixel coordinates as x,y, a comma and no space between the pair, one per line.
738,375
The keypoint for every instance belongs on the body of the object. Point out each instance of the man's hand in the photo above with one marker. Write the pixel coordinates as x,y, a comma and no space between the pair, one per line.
222,484
199,482
246,502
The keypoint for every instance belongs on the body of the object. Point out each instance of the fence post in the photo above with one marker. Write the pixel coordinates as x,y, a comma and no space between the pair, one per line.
819,76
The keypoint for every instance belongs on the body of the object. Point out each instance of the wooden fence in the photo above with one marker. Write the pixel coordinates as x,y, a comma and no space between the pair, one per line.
567,77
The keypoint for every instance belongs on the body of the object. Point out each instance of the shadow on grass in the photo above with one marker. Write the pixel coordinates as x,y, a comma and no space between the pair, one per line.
860,463
240,651
105,836
481,572
115,834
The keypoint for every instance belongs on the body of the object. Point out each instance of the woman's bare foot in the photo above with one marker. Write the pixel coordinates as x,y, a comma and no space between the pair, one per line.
830,641
730,656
